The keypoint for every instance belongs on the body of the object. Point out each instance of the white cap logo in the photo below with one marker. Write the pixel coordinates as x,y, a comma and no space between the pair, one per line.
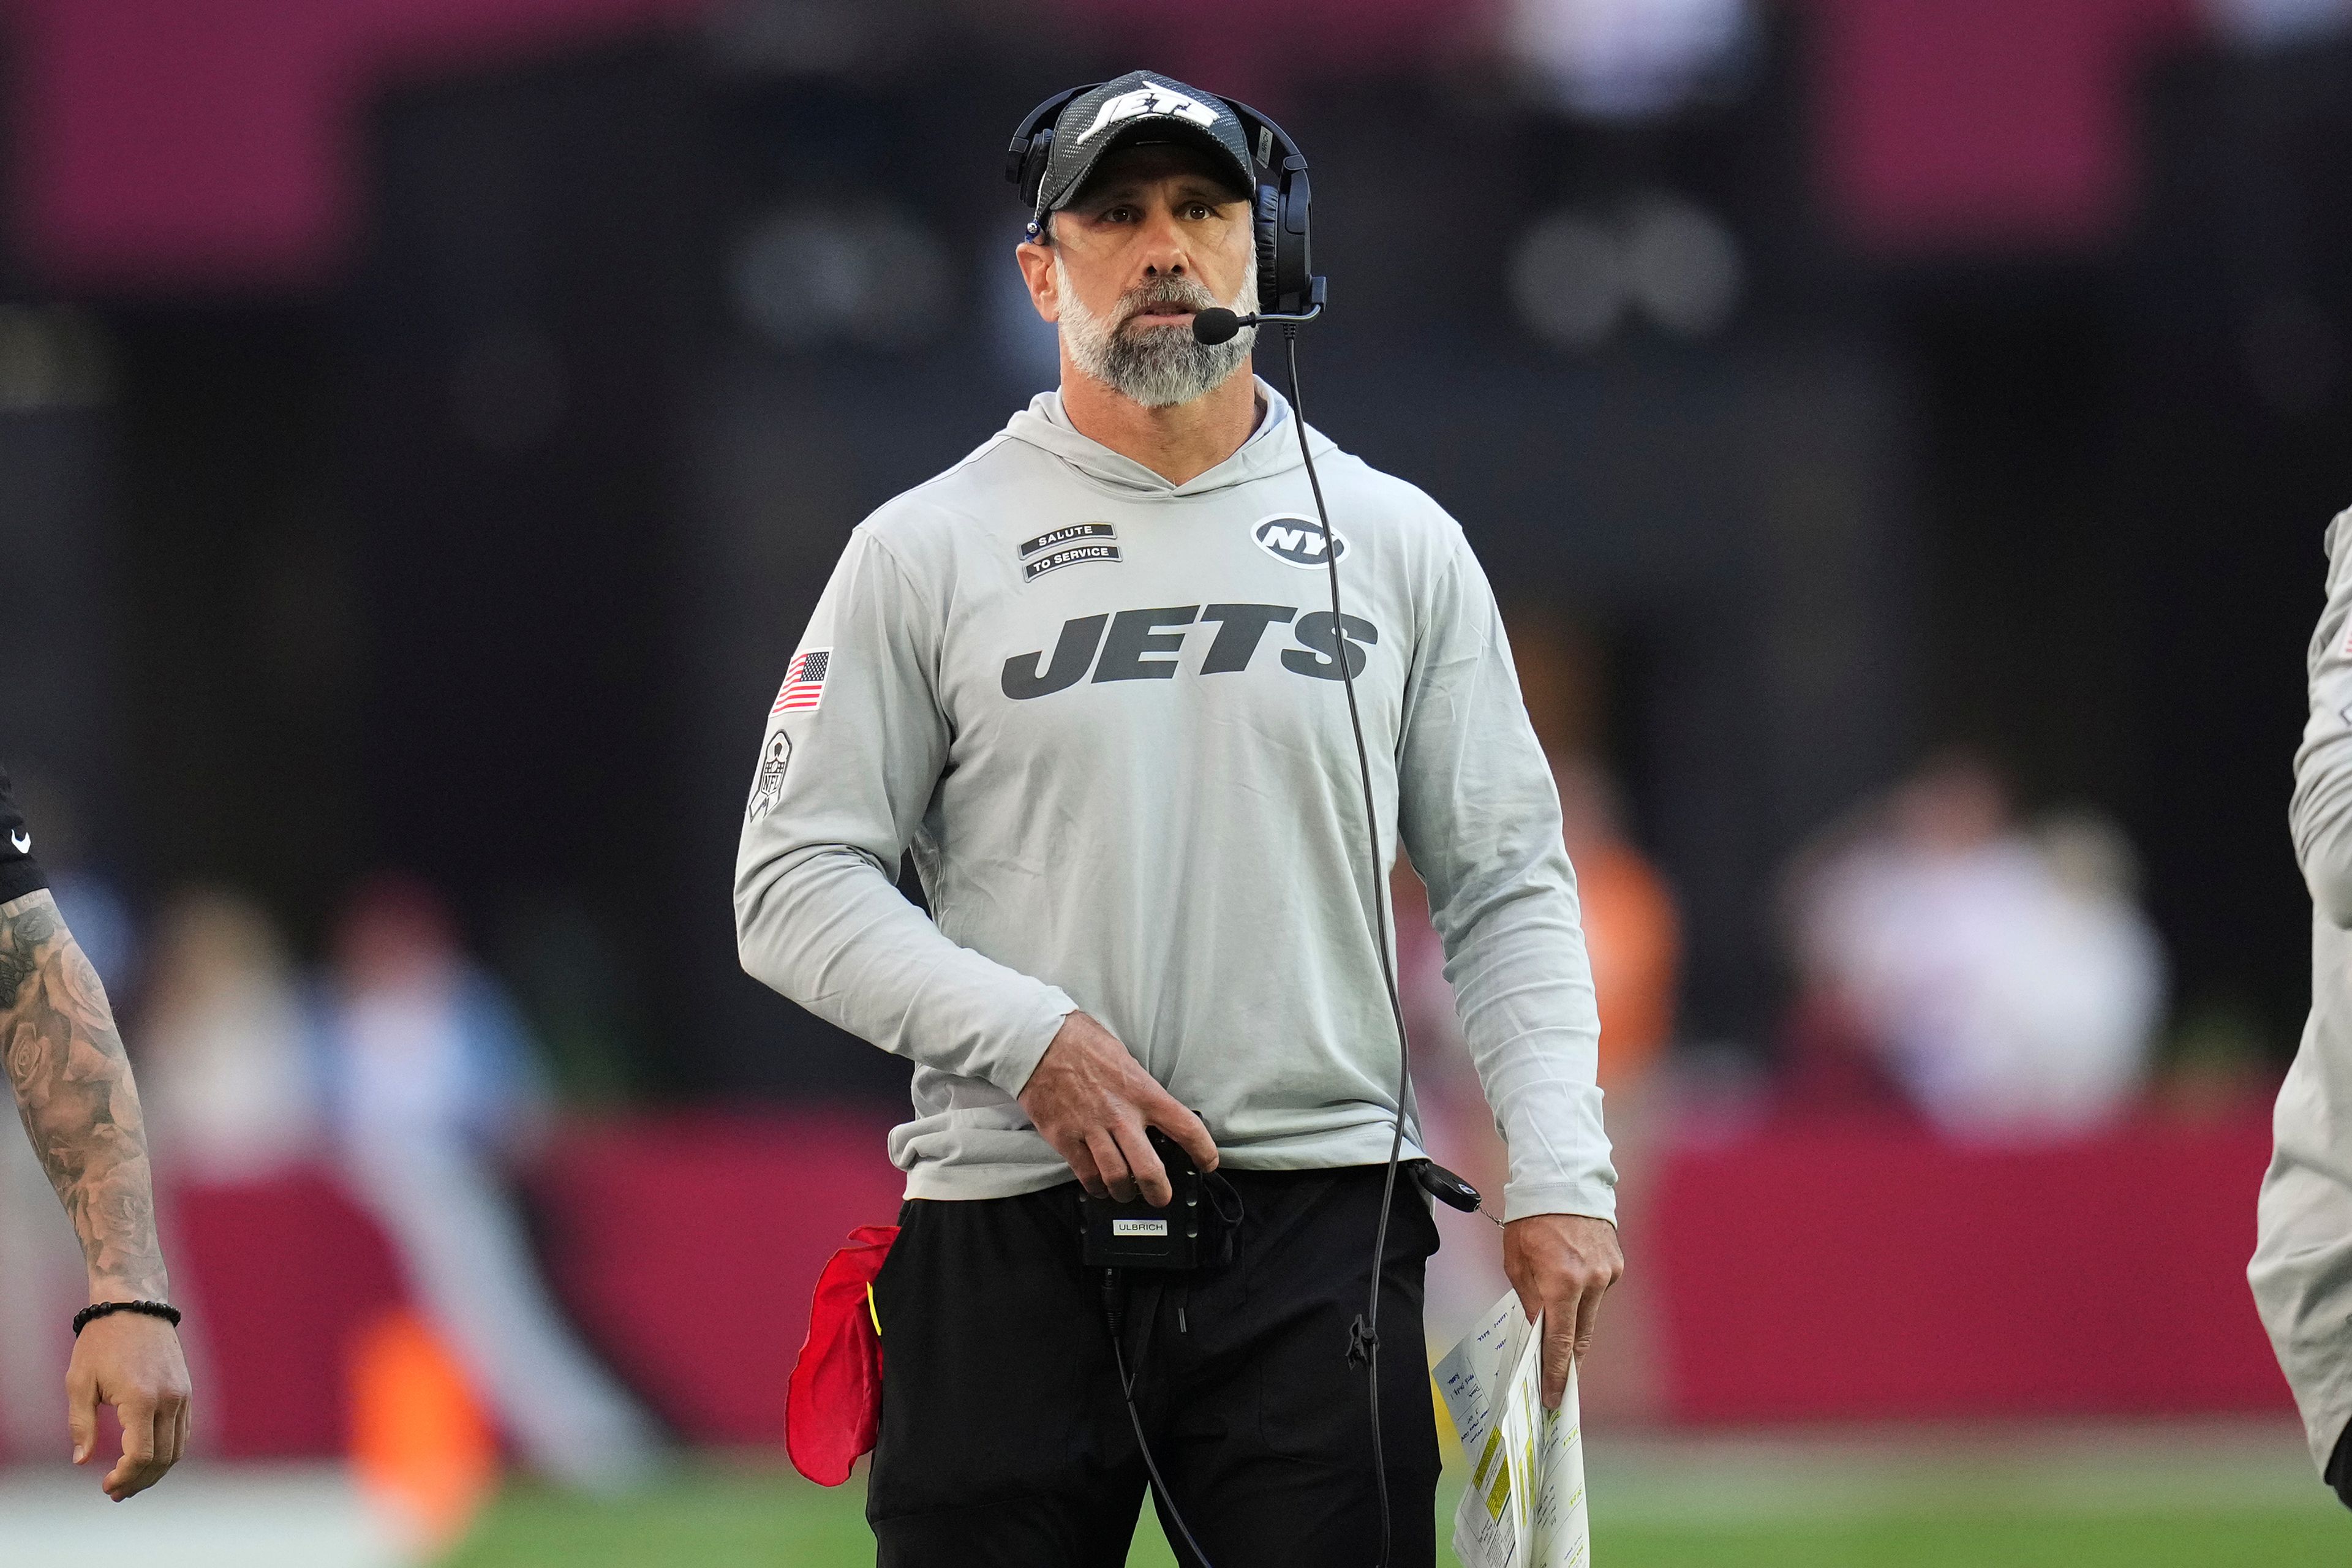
1152,97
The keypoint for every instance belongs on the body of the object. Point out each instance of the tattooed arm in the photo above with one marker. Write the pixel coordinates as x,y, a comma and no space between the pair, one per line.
72,1083
73,1091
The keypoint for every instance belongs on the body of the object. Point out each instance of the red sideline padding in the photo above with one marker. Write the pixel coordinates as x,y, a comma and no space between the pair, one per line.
1859,1271
275,1276
833,1411
685,1247
1801,1271
688,1247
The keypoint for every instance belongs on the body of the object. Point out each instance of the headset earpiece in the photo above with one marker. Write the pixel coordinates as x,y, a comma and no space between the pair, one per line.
1033,161
1281,214
1267,221
1032,149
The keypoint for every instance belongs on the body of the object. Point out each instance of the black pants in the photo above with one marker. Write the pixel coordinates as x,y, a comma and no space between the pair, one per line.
1006,1442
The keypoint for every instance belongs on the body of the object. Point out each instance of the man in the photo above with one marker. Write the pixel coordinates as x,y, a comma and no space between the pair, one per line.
2302,1268
74,1093
1084,676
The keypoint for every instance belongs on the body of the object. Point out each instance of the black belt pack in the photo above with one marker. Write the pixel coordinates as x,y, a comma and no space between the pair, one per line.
1195,1230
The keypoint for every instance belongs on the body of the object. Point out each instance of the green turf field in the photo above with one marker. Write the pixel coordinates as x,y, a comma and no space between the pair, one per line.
2144,1497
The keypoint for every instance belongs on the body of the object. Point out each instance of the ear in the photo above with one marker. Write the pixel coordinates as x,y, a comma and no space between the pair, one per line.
1037,272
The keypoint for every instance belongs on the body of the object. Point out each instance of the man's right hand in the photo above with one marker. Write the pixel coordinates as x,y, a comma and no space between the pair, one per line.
133,1363
1092,1100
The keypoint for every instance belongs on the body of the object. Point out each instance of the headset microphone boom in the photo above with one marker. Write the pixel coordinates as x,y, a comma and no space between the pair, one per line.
1217,324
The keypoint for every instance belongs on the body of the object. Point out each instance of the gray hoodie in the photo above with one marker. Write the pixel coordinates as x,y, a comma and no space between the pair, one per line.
2302,1269
1105,711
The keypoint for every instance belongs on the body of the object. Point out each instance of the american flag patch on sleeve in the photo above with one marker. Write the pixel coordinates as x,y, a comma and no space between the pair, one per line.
803,683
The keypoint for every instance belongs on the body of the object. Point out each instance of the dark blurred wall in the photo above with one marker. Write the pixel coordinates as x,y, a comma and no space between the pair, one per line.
515,336
238,621
2233,408
61,729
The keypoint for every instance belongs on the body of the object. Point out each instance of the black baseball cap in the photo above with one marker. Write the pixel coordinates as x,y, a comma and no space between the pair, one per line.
1138,110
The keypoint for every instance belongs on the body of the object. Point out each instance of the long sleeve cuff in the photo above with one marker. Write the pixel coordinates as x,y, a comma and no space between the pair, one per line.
1560,1156
1592,1198
1025,1045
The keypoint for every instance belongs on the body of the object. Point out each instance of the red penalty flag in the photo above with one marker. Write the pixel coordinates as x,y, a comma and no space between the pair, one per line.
833,1409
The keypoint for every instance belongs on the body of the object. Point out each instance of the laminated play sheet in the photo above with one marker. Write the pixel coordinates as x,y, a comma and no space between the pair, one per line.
1525,1505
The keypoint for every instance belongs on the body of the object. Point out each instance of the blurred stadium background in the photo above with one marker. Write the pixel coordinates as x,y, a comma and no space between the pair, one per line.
1901,431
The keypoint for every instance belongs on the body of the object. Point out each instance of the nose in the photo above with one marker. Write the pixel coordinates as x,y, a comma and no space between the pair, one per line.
1164,252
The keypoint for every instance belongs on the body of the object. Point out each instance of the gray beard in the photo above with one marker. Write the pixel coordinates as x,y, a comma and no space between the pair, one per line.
1155,366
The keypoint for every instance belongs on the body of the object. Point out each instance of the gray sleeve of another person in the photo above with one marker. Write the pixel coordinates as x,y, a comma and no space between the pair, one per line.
2321,811
2302,1268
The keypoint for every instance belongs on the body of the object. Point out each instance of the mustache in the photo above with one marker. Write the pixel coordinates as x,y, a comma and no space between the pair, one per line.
1181,291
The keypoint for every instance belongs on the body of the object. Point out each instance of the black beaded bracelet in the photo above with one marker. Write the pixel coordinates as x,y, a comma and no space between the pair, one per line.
90,1314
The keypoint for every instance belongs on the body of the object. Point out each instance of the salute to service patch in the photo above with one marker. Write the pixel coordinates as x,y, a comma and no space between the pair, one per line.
771,787
1067,547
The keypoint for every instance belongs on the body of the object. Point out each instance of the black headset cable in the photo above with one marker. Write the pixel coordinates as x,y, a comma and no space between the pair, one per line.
1363,1334
1115,1318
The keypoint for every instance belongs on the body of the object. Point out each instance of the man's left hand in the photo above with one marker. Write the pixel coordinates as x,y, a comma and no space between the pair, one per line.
1562,1265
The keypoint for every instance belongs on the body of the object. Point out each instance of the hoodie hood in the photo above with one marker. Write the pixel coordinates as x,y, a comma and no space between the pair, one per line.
1272,448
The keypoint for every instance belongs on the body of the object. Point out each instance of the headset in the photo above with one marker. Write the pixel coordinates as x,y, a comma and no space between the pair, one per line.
1288,289
1290,293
